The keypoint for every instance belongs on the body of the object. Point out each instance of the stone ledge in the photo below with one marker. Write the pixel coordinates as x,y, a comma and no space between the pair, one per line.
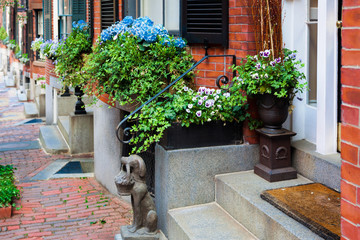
325,169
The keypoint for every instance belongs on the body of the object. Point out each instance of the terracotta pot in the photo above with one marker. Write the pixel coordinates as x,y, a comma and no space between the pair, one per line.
5,212
273,111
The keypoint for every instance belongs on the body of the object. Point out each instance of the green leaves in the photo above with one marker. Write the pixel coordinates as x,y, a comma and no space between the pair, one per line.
8,190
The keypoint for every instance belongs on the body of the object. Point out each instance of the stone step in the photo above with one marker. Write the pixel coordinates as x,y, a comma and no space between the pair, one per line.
30,110
64,126
325,169
10,81
239,195
52,140
22,97
207,222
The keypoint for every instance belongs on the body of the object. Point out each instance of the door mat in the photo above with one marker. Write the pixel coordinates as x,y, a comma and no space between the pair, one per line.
314,205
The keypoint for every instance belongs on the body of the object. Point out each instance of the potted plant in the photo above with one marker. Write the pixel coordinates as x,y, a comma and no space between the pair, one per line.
274,82
133,60
71,54
8,191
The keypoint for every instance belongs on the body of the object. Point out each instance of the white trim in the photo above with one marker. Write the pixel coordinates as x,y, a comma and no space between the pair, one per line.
326,129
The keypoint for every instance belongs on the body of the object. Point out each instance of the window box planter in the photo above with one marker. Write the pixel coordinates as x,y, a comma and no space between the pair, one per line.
209,134
5,212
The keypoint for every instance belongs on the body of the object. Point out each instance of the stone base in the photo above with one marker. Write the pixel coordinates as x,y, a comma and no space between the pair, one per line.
81,133
126,235
275,175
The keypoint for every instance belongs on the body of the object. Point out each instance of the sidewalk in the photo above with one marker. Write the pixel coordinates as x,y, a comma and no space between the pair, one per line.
55,208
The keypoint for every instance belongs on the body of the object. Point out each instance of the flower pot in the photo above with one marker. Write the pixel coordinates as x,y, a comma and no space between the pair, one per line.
5,212
214,133
273,111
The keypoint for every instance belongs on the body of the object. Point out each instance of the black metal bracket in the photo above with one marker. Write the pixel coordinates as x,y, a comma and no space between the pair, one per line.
224,80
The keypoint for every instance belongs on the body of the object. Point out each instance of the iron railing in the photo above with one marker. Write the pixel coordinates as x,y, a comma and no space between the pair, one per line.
222,78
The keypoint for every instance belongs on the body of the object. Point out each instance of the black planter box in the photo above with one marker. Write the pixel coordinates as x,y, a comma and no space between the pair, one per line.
209,134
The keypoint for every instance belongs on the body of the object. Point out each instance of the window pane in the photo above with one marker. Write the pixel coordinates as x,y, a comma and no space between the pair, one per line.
64,7
312,63
172,15
40,23
153,9
131,8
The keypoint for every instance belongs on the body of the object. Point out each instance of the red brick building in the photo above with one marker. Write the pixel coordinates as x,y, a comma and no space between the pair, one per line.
350,133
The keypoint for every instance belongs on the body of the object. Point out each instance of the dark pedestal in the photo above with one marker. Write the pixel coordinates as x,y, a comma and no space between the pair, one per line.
275,156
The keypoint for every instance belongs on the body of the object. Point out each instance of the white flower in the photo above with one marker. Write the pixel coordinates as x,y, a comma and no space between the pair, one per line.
194,99
255,76
190,106
188,110
218,91
186,89
266,75
227,95
219,106
209,120
212,113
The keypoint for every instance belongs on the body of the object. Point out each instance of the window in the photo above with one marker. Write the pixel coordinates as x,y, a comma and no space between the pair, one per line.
39,23
65,17
47,19
312,51
165,12
70,11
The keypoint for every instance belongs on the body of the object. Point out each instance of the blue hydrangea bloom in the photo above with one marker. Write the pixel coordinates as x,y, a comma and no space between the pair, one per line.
142,28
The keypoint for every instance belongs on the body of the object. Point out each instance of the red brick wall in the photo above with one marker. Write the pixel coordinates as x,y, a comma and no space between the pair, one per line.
350,131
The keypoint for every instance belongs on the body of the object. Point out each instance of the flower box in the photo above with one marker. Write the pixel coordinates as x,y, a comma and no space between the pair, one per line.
214,133
5,212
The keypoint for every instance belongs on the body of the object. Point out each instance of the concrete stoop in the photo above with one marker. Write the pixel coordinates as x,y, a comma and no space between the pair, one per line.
73,134
10,81
238,213
22,96
40,104
30,110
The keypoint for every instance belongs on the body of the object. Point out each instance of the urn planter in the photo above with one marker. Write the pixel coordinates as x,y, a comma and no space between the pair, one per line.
5,212
215,133
273,111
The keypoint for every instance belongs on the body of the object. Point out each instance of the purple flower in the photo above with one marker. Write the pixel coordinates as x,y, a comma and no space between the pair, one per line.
278,60
207,91
258,66
293,56
272,63
200,102
212,91
198,113
186,89
266,53
201,90
205,97
261,53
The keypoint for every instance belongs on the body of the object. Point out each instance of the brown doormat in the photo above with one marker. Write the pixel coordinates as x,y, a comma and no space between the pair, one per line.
314,205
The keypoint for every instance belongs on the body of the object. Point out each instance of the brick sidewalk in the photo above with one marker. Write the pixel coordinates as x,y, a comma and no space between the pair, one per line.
57,208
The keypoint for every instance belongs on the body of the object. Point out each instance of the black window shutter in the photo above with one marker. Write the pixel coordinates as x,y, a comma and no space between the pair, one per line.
47,19
109,12
29,29
79,10
205,21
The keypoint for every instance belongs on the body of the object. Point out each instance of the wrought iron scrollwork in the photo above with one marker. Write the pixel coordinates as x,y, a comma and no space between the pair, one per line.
127,130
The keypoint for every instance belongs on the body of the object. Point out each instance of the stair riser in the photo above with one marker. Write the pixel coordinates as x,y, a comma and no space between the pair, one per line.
176,232
248,215
63,131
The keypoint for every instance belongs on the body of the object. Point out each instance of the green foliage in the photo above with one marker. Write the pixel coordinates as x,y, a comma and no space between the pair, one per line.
24,58
261,74
71,56
127,66
3,34
187,107
8,190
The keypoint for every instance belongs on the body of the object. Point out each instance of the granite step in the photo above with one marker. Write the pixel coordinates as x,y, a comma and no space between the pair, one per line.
30,110
205,222
239,195
52,140
64,126
10,81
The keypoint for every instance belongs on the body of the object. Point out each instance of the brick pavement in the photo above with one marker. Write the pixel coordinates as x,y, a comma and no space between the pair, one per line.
56,208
